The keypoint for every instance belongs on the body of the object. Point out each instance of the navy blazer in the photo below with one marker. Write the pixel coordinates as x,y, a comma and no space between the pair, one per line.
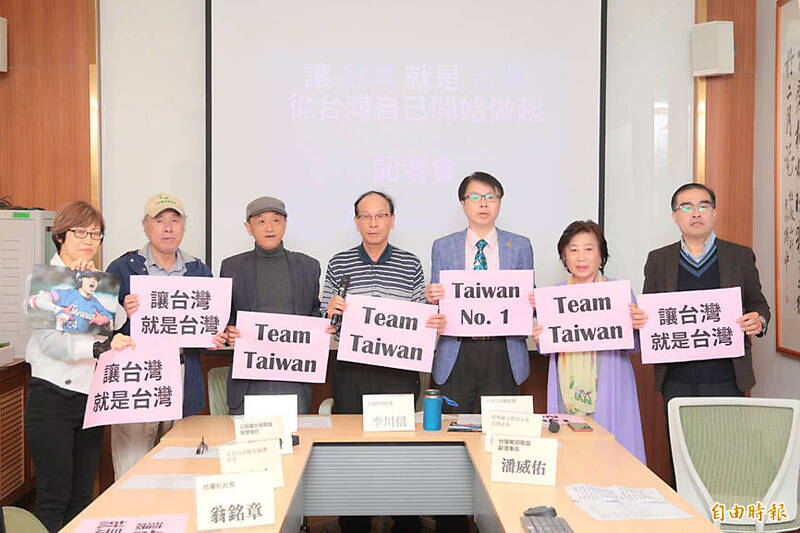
516,253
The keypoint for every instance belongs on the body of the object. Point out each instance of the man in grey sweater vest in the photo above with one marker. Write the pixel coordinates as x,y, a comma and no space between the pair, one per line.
268,279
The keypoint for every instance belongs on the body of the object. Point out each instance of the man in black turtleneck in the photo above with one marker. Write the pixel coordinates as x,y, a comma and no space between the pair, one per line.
269,279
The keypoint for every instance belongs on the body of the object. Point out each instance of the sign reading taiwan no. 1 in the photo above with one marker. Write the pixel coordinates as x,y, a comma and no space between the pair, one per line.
135,385
387,332
281,347
489,303
180,311
584,317
691,325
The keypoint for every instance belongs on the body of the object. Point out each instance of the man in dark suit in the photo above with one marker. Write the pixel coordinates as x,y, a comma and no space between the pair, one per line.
269,279
700,261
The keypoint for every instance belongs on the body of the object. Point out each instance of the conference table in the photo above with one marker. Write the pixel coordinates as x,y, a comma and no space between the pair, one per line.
343,470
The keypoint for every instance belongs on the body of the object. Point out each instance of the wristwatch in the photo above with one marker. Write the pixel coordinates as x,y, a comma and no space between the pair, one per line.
763,326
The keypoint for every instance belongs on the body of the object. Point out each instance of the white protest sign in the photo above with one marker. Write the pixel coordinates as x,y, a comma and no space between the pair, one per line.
388,412
266,405
264,455
228,501
527,460
490,303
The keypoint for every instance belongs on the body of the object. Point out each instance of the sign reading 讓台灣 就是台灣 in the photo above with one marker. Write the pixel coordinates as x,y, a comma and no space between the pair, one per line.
691,325
180,311
141,384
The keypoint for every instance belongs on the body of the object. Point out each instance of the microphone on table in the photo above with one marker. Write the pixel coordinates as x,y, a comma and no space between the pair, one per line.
344,284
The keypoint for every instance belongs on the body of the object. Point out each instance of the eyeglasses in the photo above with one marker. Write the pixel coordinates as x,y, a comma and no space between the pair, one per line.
380,217
491,197
688,207
82,233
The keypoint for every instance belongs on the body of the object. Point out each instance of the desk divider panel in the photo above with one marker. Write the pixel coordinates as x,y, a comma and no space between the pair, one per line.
392,478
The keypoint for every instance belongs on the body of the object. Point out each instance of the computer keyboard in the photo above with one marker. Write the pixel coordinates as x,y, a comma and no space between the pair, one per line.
545,524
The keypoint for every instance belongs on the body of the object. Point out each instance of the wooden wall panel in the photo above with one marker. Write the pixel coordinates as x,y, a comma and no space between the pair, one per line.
44,102
536,384
730,112
654,423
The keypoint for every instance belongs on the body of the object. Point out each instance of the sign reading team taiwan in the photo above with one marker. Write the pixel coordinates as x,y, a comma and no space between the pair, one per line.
135,385
281,347
584,317
72,301
387,332
691,325
180,311
490,303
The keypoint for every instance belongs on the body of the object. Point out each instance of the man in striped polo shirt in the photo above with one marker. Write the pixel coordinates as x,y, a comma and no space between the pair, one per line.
376,268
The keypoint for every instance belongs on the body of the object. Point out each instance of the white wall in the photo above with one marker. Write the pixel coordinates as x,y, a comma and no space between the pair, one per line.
152,93
152,83
777,375
649,119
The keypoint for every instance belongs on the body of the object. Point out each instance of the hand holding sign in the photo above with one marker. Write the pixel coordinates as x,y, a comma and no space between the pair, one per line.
437,322
750,323
120,342
434,292
638,316
131,304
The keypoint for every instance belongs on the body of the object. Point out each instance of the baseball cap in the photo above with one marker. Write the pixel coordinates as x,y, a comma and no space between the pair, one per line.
161,202
264,203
